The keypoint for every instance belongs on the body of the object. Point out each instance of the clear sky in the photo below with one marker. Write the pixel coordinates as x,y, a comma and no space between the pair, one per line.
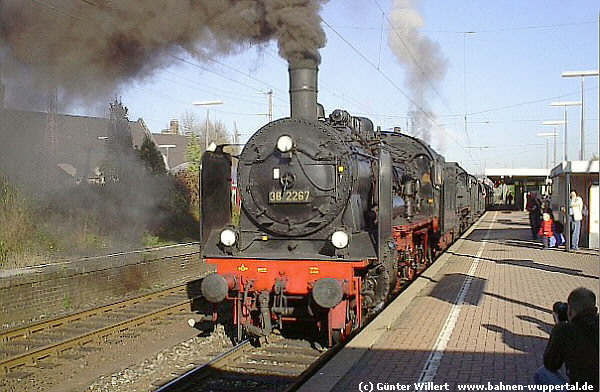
501,68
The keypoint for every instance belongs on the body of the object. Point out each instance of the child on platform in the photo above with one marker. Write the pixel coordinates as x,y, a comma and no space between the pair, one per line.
546,230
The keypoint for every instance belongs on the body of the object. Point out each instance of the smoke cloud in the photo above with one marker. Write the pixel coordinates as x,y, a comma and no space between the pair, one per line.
425,64
91,47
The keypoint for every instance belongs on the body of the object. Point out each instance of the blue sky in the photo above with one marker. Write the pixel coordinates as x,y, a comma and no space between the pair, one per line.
509,65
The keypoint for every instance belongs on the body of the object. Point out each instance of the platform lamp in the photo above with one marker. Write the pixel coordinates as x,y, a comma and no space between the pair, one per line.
554,124
582,75
566,104
567,188
548,135
208,104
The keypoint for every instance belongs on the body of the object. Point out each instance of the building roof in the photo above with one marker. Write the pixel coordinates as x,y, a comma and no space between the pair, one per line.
575,167
178,154
79,146
516,172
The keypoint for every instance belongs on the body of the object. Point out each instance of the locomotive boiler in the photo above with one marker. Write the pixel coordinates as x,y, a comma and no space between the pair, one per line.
335,216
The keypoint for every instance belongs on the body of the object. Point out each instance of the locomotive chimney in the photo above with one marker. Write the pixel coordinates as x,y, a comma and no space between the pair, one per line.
303,88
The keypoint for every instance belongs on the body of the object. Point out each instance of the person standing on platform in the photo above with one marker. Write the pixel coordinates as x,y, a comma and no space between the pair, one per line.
509,198
573,343
533,206
576,212
546,230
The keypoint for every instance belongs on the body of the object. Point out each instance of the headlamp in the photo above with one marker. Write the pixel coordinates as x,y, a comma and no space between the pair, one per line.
228,237
285,143
339,239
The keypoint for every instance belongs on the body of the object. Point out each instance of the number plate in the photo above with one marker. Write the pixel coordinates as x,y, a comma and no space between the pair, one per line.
289,196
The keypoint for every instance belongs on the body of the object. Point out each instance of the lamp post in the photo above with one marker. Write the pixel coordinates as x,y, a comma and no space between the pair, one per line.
582,75
465,74
167,146
547,135
208,104
554,124
566,104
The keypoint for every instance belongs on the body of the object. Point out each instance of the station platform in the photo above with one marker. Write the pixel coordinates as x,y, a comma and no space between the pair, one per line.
480,315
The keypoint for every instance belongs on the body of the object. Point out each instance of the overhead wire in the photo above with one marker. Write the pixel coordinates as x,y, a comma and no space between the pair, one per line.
484,31
413,57
225,93
394,84
324,86
530,102
60,10
376,67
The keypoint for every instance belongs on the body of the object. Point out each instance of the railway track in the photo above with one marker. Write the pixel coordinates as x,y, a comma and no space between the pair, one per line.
282,364
27,347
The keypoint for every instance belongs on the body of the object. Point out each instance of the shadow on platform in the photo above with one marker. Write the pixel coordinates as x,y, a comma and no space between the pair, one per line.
447,287
527,263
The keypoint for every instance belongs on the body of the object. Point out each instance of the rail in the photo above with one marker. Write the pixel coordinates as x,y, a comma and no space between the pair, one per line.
23,336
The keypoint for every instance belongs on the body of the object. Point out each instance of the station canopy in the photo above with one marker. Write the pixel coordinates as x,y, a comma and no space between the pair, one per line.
510,176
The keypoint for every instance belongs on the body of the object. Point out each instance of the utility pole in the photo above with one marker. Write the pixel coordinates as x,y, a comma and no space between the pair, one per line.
236,134
270,96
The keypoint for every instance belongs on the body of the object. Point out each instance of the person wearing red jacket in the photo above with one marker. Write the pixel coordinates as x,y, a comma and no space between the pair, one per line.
546,230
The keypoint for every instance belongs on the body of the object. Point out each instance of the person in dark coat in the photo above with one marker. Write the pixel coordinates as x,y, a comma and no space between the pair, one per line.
534,207
573,343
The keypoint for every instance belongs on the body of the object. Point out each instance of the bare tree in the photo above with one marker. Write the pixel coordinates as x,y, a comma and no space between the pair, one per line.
191,124
217,131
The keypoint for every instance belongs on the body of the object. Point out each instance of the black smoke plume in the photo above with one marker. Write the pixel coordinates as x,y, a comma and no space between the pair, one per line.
90,47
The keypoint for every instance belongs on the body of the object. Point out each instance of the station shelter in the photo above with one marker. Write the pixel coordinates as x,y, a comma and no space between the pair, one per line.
581,176
512,185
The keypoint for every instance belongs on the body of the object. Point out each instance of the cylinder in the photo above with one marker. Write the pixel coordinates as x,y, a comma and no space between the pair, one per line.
303,89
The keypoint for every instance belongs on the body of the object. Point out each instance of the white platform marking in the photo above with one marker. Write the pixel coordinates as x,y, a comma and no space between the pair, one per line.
433,361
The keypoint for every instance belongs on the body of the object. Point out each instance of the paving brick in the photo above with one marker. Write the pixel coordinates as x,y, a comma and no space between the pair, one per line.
503,325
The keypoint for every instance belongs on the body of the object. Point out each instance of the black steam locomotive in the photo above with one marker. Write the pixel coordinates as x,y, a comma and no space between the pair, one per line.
335,216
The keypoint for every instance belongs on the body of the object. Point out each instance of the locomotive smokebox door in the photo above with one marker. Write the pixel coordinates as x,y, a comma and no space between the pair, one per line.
215,183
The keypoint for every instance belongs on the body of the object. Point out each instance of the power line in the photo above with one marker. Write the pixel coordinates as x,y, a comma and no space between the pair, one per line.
58,10
181,59
195,83
324,86
502,29
246,75
414,59
209,90
392,83
530,102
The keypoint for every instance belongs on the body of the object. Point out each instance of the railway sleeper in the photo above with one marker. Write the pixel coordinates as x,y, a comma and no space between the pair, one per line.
270,368
279,359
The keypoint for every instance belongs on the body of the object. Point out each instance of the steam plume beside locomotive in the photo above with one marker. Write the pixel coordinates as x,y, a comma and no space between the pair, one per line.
336,217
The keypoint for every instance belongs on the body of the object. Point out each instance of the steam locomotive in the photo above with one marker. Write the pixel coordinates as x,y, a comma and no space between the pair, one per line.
335,217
